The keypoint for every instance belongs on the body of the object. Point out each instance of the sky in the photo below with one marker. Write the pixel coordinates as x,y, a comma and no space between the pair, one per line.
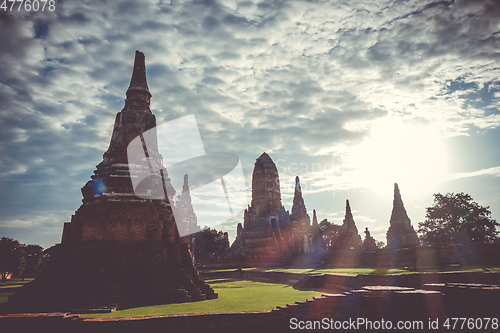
351,96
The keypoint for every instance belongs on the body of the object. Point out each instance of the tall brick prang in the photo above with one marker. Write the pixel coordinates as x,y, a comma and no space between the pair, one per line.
269,233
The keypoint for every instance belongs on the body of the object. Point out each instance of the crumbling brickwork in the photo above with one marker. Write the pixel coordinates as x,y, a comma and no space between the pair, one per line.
120,247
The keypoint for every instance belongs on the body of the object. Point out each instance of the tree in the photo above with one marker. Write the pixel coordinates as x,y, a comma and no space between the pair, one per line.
12,257
330,233
214,244
456,219
34,260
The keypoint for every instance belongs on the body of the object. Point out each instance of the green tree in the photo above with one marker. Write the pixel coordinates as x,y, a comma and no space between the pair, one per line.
214,244
330,233
12,257
456,219
34,260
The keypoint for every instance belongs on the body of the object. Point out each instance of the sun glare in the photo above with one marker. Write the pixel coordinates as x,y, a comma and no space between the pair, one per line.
410,154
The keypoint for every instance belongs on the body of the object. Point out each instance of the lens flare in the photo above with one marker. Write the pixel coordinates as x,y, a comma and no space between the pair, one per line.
98,187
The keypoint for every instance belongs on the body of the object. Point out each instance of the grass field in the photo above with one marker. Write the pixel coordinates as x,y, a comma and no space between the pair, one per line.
243,295
9,287
350,271
372,271
234,295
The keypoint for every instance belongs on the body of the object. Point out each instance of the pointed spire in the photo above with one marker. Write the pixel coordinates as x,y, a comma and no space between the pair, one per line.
398,214
317,244
185,187
298,190
187,221
317,241
348,214
400,233
264,157
186,196
127,128
397,194
297,197
299,211
349,224
138,88
348,219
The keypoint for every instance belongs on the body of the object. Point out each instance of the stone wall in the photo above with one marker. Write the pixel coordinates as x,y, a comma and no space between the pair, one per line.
374,303
342,282
424,257
112,221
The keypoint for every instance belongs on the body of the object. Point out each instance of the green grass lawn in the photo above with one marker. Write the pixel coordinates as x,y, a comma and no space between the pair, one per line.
373,271
234,295
9,287
367,271
351,271
243,295
227,270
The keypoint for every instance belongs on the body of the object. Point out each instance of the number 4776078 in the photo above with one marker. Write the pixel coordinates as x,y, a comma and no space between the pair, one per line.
28,5
471,323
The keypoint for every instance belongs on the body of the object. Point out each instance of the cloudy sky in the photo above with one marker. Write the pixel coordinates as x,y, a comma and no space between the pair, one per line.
352,96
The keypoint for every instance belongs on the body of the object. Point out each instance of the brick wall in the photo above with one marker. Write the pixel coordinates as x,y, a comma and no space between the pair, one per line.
114,221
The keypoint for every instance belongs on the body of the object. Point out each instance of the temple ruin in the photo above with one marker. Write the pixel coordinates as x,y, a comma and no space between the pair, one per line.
270,232
186,219
350,236
318,246
120,248
400,233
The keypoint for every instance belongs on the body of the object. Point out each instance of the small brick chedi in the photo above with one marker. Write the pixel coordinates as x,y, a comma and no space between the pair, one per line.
349,232
119,247
400,233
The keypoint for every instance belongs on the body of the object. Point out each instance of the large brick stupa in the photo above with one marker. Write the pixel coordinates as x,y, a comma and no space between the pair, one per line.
120,248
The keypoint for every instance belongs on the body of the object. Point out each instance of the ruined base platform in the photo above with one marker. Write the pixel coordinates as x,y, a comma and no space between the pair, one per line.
102,274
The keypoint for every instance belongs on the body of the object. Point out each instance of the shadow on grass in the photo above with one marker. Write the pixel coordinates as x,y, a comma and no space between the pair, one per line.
8,288
380,271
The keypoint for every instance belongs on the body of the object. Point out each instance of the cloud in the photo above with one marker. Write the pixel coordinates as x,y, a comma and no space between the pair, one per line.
44,230
290,78
493,172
